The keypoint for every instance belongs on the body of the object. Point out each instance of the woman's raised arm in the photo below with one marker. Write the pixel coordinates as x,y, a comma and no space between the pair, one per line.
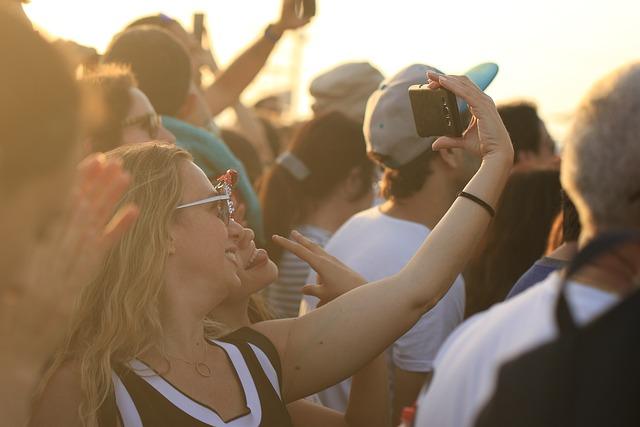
332,342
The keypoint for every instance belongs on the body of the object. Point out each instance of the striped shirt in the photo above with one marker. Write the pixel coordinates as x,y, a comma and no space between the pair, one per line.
285,294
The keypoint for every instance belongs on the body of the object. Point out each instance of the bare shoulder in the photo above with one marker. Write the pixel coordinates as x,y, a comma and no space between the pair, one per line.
59,402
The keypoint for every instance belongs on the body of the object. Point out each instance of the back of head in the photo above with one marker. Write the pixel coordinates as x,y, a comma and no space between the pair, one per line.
517,237
391,137
159,62
322,155
244,151
600,167
523,124
111,84
345,89
39,108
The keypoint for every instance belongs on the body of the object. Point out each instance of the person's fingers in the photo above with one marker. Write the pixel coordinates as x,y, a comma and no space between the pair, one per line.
464,88
89,169
99,187
298,250
445,142
121,222
307,243
313,290
318,291
432,84
110,197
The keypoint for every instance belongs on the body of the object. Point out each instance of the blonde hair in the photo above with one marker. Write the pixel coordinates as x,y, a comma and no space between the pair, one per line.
117,316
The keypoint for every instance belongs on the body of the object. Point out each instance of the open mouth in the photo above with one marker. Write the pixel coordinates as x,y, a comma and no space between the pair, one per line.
232,256
258,258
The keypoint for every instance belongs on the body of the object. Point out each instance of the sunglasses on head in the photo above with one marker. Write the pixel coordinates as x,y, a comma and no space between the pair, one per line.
149,122
223,199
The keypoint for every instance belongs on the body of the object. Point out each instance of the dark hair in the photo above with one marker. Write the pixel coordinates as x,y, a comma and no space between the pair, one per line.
523,124
159,62
39,105
516,238
112,84
244,151
406,180
330,146
273,137
571,227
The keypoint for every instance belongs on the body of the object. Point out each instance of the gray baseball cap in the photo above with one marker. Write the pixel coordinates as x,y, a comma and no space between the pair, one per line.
388,123
345,88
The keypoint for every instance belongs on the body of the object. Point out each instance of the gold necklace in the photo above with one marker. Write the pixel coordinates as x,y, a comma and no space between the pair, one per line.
200,367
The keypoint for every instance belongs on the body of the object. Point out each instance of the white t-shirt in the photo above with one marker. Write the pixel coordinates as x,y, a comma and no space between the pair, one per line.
467,365
377,246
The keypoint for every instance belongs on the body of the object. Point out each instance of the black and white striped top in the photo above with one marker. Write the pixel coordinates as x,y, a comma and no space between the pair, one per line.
145,398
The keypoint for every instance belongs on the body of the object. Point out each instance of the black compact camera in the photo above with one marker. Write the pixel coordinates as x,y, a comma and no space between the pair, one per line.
305,9
435,111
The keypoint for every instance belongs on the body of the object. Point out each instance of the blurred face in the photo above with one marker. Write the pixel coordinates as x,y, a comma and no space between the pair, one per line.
256,270
27,218
142,123
204,248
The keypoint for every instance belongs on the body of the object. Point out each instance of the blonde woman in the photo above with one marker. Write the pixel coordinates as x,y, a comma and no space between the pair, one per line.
139,352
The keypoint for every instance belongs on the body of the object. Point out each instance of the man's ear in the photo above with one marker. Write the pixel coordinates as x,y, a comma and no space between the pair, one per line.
188,107
449,157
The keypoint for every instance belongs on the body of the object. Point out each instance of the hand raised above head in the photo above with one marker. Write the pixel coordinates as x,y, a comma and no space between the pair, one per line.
289,20
73,254
486,135
334,277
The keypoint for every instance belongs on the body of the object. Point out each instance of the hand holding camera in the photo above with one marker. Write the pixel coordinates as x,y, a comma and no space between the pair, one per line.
486,135
295,14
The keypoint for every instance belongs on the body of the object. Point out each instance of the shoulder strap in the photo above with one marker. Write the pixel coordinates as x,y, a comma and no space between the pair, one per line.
249,335
592,251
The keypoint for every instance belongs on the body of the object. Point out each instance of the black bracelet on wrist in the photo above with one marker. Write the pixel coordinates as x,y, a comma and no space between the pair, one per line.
479,201
271,35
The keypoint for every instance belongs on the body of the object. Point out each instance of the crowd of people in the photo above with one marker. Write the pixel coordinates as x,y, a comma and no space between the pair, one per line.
158,270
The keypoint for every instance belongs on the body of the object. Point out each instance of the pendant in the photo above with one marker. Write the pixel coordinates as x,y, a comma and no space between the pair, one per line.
203,369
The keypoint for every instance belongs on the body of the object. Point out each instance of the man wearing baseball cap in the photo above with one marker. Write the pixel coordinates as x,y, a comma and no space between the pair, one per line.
418,185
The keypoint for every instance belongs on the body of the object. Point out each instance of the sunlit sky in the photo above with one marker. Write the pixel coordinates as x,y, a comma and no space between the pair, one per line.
549,51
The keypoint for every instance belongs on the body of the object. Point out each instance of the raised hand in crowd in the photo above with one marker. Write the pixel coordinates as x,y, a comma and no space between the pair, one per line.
74,253
34,319
334,279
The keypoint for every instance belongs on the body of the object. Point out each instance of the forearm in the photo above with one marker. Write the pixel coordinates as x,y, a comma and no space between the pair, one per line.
448,247
369,396
361,323
233,80
406,387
